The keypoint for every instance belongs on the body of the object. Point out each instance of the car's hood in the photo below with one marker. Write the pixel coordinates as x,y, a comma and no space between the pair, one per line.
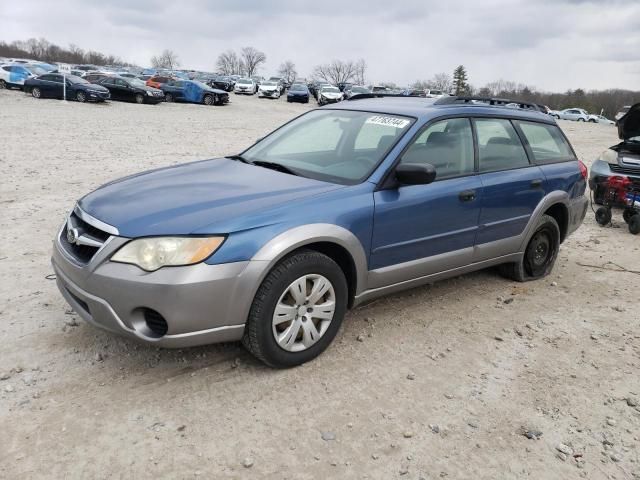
187,198
147,88
331,94
629,124
268,87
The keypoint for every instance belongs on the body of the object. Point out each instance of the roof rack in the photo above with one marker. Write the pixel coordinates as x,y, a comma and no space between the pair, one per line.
362,96
498,102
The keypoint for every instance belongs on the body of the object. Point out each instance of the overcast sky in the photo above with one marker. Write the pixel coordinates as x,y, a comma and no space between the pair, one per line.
550,44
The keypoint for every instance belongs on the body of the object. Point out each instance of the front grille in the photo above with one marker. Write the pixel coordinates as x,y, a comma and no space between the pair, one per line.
89,239
624,170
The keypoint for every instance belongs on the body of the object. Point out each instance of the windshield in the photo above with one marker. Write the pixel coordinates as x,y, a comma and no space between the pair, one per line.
297,86
330,90
36,70
74,79
245,81
338,146
359,90
136,82
200,84
269,84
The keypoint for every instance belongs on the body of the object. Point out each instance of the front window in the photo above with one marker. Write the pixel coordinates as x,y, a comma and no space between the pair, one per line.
339,146
75,79
447,145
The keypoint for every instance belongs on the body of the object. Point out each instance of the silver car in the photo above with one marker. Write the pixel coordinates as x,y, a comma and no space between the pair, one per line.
575,114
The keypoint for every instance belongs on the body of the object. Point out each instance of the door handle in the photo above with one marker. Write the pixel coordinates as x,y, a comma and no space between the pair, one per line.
467,195
537,183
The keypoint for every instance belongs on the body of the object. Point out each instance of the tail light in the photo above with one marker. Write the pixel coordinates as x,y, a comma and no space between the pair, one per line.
583,169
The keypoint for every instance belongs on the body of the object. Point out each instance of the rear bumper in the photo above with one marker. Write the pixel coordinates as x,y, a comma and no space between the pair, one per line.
577,211
201,304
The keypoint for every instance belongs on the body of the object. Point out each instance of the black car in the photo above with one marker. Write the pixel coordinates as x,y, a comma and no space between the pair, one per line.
298,93
132,90
222,83
343,85
51,85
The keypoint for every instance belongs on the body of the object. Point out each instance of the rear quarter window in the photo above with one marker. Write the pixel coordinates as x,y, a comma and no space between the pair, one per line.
547,143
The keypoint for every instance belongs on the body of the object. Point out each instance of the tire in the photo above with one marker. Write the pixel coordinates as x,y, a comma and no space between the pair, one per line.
168,98
557,117
312,335
581,119
139,98
627,213
540,254
207,100
591,120
634,224
603,216
3,85
36,92
81,96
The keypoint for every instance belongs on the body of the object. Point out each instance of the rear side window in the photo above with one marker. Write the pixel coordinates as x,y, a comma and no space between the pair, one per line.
499,146
547,143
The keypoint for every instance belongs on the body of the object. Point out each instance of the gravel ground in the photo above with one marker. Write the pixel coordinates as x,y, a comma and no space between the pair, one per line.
442,381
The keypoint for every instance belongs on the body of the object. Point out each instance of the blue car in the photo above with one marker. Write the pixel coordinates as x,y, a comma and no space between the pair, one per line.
298,92
335,208
193,91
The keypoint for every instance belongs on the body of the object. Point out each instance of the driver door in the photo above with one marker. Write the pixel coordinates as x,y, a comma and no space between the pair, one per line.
424,229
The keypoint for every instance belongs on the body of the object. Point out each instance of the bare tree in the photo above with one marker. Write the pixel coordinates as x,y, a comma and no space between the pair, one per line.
229,63
441,81
287,71
337,71
360,71
167,59
252,59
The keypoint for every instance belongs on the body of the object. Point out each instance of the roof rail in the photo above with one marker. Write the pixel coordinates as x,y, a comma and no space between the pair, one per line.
362,96
499,102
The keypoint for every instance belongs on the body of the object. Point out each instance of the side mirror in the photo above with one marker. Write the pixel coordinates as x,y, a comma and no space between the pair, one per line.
415,173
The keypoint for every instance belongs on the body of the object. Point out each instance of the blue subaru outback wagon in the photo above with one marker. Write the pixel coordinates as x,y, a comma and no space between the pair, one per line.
337,207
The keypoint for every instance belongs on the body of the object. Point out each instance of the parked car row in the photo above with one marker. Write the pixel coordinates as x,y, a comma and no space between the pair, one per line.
579,115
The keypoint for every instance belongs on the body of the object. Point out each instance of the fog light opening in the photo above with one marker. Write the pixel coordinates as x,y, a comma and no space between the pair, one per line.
155,323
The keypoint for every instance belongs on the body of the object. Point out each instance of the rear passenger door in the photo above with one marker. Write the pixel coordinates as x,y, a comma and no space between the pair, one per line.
512,187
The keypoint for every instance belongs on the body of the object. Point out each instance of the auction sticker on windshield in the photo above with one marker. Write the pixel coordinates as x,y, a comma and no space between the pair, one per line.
388,121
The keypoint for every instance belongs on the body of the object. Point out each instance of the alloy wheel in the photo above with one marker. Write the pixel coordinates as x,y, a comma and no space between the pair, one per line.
304,312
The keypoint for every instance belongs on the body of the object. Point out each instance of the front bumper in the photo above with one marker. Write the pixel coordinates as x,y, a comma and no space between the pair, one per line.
298,98
201,303
270,94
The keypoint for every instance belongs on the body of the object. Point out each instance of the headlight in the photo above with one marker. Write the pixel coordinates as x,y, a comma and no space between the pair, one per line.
150,93
153,253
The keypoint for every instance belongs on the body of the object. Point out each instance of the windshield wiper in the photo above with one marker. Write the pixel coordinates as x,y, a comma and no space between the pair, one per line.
275,166
240,158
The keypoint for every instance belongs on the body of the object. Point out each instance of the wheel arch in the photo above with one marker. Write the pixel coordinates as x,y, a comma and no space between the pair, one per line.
560,212
338,243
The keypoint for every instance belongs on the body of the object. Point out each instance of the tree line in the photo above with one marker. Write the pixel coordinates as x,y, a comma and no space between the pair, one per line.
45,51
594,101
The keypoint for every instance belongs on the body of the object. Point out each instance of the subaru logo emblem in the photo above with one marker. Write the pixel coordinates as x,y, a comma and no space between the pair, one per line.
72,235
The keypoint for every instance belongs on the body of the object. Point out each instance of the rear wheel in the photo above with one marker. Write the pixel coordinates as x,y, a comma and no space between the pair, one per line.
3,84
627,213
36,92
207,100
168,97
603,216
139,98
81,96
634,224
581,119
539,256
297,310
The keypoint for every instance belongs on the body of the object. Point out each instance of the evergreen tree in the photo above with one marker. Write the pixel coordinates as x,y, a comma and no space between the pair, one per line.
460,84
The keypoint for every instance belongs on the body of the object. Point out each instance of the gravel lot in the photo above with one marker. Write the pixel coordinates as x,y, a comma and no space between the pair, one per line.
437,382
